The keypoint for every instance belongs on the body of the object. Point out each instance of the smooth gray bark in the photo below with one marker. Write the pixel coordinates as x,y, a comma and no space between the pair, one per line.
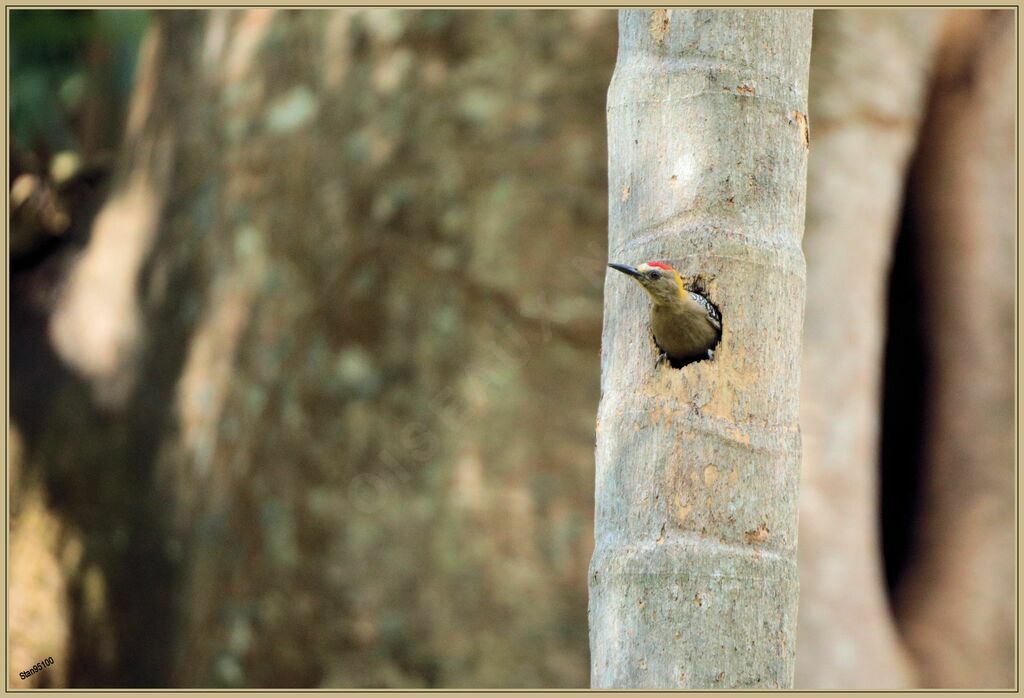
693,581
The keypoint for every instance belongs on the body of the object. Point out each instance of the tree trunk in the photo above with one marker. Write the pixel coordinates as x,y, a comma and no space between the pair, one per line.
345,292
693,581
956,604
869,79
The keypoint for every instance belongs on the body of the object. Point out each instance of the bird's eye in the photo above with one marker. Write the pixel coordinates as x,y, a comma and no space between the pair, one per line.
655,274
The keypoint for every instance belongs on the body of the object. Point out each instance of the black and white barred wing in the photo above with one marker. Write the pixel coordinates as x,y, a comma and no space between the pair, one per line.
712,312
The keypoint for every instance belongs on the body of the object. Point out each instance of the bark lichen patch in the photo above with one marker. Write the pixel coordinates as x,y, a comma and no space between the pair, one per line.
659,25
757,535
682,511
800,119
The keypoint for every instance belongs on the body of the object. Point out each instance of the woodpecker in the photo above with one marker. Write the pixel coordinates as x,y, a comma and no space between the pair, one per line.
686,325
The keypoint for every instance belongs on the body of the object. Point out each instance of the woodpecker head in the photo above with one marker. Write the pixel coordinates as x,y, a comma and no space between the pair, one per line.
662,282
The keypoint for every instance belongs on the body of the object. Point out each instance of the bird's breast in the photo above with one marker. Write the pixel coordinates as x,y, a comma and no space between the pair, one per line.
680,333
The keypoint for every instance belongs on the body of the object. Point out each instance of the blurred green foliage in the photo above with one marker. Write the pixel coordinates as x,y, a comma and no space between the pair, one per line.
57,57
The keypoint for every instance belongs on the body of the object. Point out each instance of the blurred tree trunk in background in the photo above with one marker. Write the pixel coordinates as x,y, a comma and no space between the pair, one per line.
92,444
343,308
869,80
956,605
693,580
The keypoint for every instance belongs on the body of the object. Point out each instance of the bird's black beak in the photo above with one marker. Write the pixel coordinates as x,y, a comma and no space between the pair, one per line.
627,270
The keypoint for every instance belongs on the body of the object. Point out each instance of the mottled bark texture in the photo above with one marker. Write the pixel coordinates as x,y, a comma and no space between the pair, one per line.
957,604
693,582
350,350
868,87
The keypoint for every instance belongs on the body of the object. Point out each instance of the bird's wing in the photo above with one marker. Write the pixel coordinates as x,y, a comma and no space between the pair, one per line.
711,310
